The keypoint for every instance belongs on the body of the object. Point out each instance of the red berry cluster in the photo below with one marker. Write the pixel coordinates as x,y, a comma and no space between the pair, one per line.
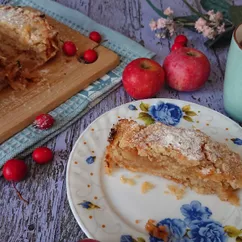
90,55
180,41
15,170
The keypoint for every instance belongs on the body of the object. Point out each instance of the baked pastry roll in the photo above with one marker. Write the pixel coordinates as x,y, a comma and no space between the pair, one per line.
27,42
186,156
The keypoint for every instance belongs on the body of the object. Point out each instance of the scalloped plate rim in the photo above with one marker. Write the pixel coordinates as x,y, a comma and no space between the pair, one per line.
155,100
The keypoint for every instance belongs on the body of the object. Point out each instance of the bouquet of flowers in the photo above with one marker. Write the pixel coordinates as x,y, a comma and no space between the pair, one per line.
216,21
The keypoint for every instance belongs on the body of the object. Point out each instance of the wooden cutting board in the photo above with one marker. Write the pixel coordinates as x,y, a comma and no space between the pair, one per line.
62,78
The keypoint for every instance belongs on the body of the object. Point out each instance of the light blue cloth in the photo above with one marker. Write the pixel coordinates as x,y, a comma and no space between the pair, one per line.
25,141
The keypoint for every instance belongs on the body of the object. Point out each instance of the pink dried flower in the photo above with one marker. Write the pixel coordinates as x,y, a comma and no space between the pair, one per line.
170,24
212,15
219,16
200,24
161,23
153,25
210,12
168,11
160,35
208,32
215,17
221,28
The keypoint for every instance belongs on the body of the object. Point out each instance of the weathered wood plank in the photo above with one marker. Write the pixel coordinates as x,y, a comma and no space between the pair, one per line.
48,216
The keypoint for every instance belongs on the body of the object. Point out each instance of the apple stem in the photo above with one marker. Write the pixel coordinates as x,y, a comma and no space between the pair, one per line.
190,54
19,194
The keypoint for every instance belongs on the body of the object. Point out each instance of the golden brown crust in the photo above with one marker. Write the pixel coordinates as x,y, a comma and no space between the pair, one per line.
27,42
159,150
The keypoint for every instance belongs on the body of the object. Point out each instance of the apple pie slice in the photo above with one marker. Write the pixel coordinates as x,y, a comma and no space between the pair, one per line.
27,42
188,157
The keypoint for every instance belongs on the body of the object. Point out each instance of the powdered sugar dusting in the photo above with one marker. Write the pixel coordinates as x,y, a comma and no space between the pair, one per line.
188,142
206,171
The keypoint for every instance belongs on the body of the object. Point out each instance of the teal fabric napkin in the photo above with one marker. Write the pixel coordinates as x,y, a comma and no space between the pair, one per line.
25,141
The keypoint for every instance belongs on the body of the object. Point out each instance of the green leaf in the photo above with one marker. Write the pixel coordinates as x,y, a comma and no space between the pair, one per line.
190,113
144,107
217,5
143,115
187,21
158,11
186,108
193,9
222,39
187,118
139,239
239,239
236,14
146,118
232,231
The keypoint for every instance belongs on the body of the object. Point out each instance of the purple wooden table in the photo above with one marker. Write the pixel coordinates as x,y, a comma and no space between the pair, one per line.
48,217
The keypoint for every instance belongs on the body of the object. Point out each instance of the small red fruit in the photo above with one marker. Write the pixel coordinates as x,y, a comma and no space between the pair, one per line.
42,155
15,170
69,48
176,46
181,39
95,36
90,56
43,121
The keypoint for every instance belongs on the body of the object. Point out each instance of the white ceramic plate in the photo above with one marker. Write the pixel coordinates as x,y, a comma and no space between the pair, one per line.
107,209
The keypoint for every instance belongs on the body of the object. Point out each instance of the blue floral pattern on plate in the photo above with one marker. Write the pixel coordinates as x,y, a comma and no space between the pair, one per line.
90,159
237,141
132,107
88,205
197,226
167,113
176,228
207,230
195,211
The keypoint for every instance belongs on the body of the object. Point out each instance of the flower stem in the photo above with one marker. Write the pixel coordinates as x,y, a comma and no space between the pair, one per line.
19,194
194,10
158,11
185,23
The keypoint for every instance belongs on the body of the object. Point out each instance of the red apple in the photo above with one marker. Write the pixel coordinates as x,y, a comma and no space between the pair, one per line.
187,69
143,78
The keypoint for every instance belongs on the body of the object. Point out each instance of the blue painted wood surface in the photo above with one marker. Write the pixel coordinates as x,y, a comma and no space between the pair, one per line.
48,217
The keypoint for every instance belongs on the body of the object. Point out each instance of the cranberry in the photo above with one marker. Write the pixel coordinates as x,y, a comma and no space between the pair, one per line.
15,170
95,36
181,39
176,46
42,155
90,56
43,121
69,48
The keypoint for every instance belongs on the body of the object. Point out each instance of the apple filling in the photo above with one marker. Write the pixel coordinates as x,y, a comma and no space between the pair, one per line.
129,148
